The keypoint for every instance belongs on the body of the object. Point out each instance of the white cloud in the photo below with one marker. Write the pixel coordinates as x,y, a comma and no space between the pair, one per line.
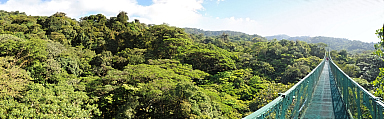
245,25
73,8
348,19
174,12
218,1
180,13
355,20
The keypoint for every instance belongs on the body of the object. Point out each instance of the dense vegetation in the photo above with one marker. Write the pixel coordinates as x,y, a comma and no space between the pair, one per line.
378,84
367,69
363,68
98,67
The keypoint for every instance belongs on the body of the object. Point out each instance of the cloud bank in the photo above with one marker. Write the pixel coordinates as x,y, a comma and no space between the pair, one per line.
180,13
355,20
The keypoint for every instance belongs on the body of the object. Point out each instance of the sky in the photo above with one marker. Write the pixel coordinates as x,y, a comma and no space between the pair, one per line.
351,19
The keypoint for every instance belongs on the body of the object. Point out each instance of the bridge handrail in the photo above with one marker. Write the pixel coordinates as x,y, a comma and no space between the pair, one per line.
346,85
292,99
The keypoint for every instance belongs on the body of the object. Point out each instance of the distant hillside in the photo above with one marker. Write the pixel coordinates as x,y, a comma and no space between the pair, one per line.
352,46
278,37
217,33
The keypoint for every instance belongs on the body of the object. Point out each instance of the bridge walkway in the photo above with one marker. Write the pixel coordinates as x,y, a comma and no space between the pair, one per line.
326,102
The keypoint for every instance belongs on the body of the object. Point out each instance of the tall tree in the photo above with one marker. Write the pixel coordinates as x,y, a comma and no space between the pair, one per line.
122,17
379,82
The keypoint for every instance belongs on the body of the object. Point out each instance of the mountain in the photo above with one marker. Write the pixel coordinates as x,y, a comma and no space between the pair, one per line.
352,46
278,37
216,33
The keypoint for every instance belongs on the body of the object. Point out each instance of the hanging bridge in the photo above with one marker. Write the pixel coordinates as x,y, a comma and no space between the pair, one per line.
325,93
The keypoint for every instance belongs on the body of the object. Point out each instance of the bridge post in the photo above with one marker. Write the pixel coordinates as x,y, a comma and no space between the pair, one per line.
278,109
297,99
346,92
358,103
379,110
284,105
374,115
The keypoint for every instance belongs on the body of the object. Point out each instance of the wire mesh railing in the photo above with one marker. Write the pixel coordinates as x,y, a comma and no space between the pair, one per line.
291,103
359,102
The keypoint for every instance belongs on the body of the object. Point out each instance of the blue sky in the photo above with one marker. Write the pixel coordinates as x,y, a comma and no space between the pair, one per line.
352,19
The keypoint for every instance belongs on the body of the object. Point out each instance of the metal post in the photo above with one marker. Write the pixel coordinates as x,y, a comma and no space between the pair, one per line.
374,107
380,111
358,103
345,96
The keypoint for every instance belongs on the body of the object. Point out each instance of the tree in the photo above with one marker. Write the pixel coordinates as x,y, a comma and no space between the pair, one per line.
129,56
379,82
164,40
295,72
380,45
27,54
211,61
59,27
49,101
13,79
174,46
122,17
159,89
318,49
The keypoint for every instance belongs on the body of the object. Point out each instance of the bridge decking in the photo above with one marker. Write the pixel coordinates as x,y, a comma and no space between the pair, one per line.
326,102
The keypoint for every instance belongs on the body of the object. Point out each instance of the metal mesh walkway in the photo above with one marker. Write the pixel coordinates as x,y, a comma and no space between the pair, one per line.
326,102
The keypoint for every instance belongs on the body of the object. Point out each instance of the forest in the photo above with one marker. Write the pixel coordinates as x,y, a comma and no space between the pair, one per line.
97,67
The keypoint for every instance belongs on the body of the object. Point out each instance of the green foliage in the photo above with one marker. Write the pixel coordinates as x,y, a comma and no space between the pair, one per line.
154,90
379,46
365,66
27,54
129,56
364,83
98,67
24,51
295,72
210,60
13,79
350,69
6,37
265,96
102,63
49,101
166,41
378,83
122,17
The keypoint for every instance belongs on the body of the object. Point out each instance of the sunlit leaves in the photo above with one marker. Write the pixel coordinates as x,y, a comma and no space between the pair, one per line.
210,61
129,56
378,83
13,79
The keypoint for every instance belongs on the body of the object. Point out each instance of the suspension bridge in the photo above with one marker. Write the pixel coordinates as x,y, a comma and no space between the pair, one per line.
325,93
